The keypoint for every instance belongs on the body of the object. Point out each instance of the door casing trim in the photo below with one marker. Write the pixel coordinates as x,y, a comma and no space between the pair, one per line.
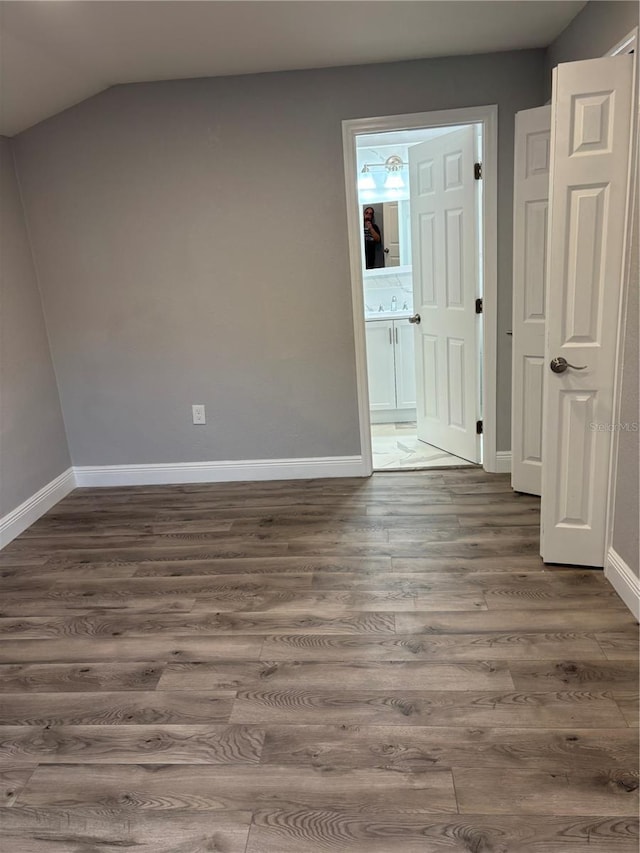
629,44
488,117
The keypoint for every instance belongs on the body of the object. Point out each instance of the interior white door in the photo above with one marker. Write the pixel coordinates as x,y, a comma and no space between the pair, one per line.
530,221
391,234
590,135
445,284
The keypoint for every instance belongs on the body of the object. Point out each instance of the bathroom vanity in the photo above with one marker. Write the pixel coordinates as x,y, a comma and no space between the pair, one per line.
391,367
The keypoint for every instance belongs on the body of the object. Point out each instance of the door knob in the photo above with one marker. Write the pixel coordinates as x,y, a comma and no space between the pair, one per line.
415,319
560,364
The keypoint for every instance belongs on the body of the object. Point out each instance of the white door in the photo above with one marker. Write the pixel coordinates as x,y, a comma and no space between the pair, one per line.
445,283
590,134
391,234
530,221
380,365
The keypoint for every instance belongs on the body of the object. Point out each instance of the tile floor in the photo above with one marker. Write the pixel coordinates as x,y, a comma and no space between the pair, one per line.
396,446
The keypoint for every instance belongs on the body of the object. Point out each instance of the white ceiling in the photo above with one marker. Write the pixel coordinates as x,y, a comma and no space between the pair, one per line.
55,54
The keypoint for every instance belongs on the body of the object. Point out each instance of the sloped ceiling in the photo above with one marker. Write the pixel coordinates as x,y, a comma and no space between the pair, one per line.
55,54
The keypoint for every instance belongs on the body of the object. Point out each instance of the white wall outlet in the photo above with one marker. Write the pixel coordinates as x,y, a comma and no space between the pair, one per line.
199,414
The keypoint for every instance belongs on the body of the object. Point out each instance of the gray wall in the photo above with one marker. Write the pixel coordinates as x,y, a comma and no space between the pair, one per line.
598,27
593,32
192,243
33,446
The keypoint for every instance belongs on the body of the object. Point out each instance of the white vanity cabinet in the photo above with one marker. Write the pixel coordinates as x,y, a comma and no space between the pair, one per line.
391,370
405,361
381,365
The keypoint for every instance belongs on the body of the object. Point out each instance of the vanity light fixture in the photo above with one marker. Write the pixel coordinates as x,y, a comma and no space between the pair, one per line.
393,166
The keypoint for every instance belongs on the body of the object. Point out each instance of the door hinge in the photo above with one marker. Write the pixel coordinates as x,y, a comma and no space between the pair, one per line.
478,427
477,171
479,306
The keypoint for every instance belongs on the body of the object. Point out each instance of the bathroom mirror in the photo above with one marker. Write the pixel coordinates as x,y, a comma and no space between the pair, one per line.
394,248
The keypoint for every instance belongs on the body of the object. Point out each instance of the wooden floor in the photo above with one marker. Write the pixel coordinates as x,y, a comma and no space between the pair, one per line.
375,666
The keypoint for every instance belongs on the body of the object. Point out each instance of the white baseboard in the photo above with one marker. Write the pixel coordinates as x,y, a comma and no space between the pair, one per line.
623,580
23,516
220,472
503,462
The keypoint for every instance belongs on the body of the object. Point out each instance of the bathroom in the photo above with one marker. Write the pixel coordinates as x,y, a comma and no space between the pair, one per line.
388,291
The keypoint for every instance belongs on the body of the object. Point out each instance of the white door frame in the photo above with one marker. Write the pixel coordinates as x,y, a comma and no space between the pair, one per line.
487,116
629,44
628,592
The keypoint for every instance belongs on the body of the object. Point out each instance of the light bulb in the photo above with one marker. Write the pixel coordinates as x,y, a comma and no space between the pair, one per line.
394,181
366,181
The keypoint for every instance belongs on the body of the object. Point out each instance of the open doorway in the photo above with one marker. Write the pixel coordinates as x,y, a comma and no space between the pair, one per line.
421,264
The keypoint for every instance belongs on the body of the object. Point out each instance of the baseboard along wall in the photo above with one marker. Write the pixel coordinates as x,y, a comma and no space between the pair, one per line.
623,580
23,516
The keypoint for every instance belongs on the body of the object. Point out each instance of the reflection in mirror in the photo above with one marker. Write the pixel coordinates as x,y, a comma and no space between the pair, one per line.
386,234
372,231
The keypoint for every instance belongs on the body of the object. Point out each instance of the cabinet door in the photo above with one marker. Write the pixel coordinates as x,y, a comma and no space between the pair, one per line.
405,364
380,369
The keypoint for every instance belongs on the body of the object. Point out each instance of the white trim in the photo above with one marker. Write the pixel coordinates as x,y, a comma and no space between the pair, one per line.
23,516
357,297
220,472
488,117
623,580
490,292
628,44
503,462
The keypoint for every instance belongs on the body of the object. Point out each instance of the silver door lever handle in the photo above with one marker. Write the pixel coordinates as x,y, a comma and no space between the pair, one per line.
415,319
560,364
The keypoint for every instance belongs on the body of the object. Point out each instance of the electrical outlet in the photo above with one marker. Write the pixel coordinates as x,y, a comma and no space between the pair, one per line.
199,415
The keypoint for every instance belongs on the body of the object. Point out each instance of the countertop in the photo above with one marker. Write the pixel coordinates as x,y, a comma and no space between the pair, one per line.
387,315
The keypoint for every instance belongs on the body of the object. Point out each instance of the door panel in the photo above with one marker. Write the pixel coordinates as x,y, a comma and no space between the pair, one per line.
590,137
405,365
530,452
455,375
530,226
429,367
576,411
426,266
444,258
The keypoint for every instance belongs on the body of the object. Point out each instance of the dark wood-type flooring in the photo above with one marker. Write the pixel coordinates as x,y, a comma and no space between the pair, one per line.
374,666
